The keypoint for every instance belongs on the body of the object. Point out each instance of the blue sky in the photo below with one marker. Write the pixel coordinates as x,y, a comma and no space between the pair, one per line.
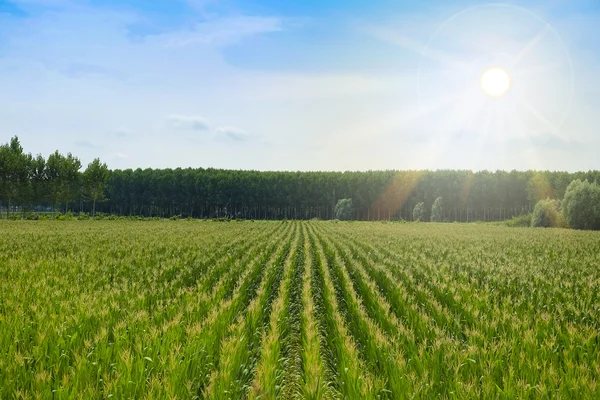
311,85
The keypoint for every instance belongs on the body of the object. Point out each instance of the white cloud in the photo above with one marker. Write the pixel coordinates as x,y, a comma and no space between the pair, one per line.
122,132
200,5
44,3
78,73
188,122
221,31
232,133
87,144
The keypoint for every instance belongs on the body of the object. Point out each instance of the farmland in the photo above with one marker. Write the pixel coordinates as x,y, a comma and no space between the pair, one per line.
199,309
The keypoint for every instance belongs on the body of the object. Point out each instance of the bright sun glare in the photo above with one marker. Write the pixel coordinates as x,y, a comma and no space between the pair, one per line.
495,82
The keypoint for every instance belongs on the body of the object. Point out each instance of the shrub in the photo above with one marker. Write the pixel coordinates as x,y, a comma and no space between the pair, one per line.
83,216
419,212
519,221
99,216
436,210
581,205
546,214
32,216
343,209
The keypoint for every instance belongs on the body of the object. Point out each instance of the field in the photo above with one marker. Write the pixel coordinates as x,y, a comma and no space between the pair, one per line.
190,309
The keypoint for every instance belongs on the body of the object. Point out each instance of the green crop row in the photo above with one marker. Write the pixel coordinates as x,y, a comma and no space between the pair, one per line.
297,310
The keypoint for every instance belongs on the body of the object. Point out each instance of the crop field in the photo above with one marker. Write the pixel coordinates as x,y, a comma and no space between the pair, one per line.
305,310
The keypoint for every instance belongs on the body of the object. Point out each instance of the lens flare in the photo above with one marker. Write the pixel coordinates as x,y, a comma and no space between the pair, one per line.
495,82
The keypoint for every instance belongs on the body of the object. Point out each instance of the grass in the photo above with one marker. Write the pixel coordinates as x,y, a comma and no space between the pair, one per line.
188,309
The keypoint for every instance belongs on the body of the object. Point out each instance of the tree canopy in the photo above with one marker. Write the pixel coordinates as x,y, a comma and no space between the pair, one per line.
419,212
581,205
29,182
343,209
436,210
547,214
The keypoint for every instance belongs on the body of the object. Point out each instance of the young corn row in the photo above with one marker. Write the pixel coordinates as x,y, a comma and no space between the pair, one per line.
279,372
297,310
241,349
524,351
344,371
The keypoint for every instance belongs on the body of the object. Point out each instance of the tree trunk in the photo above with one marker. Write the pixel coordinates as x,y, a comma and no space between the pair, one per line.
94,208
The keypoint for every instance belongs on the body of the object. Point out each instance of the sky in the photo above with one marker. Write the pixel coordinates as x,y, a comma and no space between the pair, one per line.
310,85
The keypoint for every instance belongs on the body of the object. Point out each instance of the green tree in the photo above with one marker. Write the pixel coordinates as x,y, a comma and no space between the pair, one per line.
436,210
581,205
63,177
419,212
37,176
13,172
546,214
343,209
95,180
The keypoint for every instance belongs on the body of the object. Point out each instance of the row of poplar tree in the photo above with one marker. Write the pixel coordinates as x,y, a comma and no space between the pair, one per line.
59,182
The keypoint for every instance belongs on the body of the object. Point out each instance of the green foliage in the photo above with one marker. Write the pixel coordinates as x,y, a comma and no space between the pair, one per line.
519,221
14,173
547,214
419,212
83,216
95,179
436,210
344,210
63,178
581,205
27,182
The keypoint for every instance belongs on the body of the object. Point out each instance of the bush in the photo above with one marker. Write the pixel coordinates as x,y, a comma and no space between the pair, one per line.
581,205
519,221
419,212
33,216
343,209
436,210
546,214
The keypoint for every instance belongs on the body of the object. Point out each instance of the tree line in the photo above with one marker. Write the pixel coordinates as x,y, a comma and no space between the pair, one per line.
59,182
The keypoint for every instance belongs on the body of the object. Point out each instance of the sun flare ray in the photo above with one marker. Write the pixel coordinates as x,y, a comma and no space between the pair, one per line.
528,48
536,113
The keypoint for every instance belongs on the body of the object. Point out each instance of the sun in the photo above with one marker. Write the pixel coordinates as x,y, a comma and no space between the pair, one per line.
495,82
